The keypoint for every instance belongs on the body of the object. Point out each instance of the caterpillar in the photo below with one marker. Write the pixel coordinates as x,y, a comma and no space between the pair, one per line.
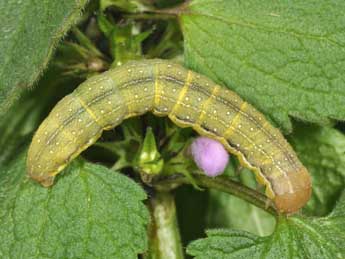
189,99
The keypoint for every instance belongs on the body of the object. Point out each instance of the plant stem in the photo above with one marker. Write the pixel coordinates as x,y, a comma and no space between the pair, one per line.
165,240
224,184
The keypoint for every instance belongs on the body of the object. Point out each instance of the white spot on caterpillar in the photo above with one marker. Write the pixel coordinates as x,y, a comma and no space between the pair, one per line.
145,89
136,96
80,120
215,111
57,143
187,117
215,129
199,99
169,66
102,111
141,71
51,152
187,98
251,129
238,145
45,133
228,113
129,70
239,126
165,109
70,109
174,90
109,102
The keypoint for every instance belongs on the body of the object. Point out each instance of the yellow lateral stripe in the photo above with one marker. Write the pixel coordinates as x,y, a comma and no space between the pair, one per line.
233,124
183,91
157,96
206,103
88,110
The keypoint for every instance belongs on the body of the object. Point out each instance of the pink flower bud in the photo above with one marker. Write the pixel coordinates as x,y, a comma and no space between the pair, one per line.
209,155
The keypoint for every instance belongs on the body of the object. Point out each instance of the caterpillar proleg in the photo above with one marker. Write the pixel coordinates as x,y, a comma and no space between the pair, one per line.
189,100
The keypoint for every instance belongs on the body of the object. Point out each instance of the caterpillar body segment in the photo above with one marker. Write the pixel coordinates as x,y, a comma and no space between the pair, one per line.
189,100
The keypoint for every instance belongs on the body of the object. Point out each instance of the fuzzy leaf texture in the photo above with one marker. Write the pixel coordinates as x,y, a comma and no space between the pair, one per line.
29,32
91,212
295,237
287,58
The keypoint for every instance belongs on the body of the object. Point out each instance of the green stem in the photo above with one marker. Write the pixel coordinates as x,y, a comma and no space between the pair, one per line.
165,240
224,184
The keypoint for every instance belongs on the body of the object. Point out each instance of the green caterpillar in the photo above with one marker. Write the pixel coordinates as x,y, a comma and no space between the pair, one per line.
189,100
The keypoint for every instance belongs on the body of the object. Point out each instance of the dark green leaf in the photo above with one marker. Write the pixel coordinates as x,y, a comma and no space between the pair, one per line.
294,237
30,31
91,212
284,57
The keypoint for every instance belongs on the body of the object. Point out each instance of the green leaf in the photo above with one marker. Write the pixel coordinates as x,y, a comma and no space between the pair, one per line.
29,33
287,58
230,211
322,151
295,237
91,212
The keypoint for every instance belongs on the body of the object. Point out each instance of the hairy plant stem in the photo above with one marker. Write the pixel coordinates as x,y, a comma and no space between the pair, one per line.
165,240
221,183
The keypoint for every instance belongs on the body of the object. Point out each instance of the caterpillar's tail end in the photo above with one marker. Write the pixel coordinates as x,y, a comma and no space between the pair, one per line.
44,180
289,203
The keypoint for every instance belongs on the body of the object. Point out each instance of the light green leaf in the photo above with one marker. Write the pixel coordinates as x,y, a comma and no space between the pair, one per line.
91,212
287,58
322,151
229,211
30,31
295,237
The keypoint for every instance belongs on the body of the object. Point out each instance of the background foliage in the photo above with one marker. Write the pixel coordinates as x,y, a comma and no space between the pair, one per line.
284,57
